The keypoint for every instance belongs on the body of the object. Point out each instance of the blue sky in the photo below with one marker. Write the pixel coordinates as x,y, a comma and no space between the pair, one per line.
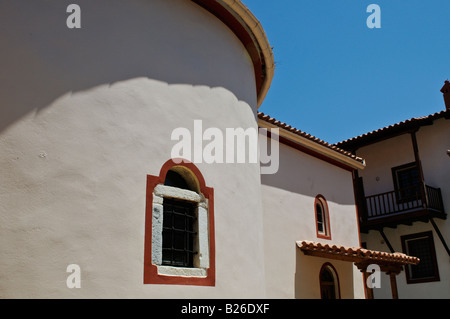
335,78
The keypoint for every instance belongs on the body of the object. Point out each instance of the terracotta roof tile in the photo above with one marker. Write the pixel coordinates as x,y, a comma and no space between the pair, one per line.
358,252
394,128
298,132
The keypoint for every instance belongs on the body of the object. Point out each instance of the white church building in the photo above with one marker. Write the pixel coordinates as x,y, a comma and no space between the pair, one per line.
94,205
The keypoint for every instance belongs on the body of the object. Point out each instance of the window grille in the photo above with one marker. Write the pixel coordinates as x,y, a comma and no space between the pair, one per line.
421,246
178,234
406,182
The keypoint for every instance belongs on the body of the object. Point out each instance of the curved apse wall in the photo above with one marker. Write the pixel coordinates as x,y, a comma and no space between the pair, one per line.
87,114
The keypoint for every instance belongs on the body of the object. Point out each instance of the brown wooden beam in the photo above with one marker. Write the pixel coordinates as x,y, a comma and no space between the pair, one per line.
440,236
386,240
360,262
330,255
404,217
369,291
419,167
393,285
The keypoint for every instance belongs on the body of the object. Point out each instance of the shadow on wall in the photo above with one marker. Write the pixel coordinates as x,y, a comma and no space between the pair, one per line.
307,277
42,59
306,280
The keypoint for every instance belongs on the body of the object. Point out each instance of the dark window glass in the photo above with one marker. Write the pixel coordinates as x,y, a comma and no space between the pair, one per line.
175,180
178,233
326,276
408,177
327,285
421,246
319,213
407,182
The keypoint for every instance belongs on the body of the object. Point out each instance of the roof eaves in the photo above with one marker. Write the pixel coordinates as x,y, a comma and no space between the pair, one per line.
392,130
357,253
246,26
320,143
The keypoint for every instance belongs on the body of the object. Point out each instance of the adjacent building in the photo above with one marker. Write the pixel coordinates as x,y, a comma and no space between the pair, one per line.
312,241
403,197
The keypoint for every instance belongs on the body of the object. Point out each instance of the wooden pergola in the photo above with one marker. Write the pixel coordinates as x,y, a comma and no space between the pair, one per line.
390,263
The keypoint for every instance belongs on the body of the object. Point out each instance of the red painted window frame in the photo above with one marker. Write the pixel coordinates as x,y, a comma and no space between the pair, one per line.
151,275
321,199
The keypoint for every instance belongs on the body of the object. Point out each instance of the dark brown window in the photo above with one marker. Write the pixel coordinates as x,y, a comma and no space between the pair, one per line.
421,245
406,182
329,283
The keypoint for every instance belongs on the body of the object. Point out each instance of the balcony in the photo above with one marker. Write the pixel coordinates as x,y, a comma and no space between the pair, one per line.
403,206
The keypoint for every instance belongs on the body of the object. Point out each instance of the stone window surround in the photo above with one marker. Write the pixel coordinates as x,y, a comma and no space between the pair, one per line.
201,259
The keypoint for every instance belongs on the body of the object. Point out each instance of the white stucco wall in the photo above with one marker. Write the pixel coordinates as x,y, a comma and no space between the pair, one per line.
380,158
289,216
430,290
86,114
433,142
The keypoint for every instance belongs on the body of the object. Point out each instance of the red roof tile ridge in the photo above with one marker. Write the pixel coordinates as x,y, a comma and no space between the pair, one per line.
308,136
413,119
356,251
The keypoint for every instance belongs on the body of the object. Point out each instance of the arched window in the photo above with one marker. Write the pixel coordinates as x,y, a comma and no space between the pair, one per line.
322,217
179,236
329,282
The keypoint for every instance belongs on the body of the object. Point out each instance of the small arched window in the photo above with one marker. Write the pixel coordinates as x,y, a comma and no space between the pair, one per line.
322,217
329,282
